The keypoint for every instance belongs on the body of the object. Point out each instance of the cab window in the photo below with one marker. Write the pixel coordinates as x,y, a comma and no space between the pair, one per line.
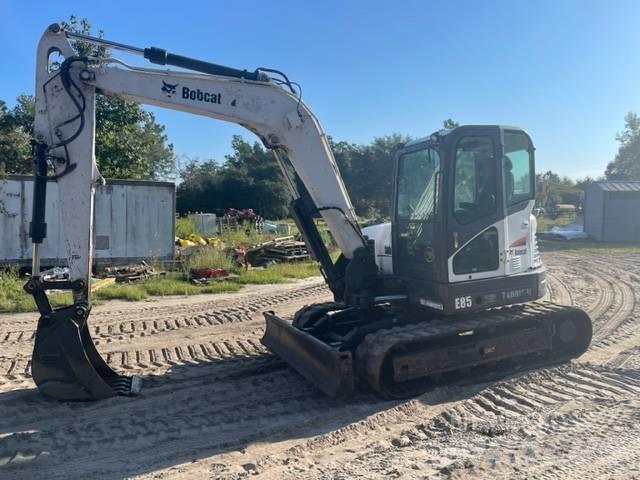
518,168
418,175
475,185
479,255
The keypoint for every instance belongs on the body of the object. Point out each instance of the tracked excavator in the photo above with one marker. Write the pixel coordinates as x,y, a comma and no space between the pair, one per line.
447,288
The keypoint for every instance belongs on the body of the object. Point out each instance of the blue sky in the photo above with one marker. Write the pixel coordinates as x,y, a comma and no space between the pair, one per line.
566,71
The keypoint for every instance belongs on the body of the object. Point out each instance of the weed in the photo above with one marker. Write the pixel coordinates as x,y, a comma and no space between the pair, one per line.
14,299
185,226
123,291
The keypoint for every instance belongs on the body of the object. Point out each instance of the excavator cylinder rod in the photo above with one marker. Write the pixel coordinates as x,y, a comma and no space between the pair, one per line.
408,359
66,365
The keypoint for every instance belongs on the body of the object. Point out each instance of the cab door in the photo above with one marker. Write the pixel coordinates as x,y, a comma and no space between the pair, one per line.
416,223
475,213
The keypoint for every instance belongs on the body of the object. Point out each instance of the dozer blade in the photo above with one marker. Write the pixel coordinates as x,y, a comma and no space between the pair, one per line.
66,364
327,368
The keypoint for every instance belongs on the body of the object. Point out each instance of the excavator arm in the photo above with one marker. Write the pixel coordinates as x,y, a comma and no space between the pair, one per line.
65,139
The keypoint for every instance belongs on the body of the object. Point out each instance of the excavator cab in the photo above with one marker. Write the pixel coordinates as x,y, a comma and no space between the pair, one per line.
462,232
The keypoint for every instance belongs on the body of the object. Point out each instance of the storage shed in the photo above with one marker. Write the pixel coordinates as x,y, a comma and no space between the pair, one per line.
612,211
133,220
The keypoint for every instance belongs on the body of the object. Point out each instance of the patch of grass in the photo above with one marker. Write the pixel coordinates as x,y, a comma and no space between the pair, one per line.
260,277
121,291
207,257
242,237
278,273
14,299
296,269
221,287
171,284
185,226
587,246
163,286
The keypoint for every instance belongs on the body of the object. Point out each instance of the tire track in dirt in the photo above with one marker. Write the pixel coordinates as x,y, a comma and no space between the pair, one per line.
171,416
212,392
615,311
131,323
487,417
557,291
167,341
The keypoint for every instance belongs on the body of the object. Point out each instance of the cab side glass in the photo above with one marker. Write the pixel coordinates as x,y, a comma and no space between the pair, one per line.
475,185
518,168
479,255
418,175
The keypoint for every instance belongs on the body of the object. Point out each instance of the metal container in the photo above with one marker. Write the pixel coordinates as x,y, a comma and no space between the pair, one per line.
133,220
206,223
611,211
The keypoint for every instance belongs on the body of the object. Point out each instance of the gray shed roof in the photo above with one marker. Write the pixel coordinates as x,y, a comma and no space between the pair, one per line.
621,186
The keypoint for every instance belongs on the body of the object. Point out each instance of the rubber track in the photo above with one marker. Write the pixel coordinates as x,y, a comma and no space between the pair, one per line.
372,352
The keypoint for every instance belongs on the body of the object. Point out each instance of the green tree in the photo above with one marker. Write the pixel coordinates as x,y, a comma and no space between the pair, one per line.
546,189
450,123
626,165
129,141
367,171
584,183
200,189
15,148
252,179
24,112
249,178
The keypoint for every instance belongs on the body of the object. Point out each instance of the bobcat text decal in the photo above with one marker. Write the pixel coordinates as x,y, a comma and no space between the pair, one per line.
201,96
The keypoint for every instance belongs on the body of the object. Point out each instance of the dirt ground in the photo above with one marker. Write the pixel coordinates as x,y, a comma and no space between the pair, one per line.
216,404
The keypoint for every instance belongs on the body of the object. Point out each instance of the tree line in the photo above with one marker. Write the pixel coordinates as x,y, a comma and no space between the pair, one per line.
251,178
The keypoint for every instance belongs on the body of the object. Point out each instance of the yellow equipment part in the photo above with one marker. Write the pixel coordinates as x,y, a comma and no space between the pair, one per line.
185,243
197,239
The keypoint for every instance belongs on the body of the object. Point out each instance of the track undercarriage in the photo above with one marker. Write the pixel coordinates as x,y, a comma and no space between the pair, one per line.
400,352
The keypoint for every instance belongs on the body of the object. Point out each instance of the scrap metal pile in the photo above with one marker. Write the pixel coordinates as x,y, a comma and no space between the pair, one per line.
284,249
131,272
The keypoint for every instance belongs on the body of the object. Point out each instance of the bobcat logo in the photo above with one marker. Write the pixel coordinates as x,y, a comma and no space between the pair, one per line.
169,89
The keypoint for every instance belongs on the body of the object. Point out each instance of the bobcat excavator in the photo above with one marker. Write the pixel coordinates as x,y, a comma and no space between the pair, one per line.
446,287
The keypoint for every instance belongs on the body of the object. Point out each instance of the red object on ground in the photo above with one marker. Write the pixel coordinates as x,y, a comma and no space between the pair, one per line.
209,273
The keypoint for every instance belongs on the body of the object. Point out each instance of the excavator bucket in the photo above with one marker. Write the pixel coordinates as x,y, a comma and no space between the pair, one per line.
329,369
66,365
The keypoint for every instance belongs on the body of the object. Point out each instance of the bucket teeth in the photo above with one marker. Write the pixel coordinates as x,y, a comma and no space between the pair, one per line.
66,364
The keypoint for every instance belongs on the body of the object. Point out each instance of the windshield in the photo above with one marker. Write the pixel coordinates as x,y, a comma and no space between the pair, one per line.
418,174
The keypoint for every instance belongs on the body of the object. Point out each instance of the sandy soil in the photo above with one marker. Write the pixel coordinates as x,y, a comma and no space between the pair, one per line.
216,404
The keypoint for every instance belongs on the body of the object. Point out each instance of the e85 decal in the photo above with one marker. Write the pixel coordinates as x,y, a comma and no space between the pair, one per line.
464,302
